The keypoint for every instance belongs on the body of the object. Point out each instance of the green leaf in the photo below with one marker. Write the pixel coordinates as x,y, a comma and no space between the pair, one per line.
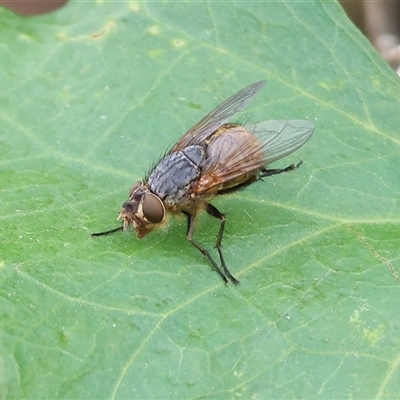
91,96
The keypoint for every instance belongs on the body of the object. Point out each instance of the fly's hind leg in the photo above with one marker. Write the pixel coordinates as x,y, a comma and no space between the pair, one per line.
268,172
217,214
189,233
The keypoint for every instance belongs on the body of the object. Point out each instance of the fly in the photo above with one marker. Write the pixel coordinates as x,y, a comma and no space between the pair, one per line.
212,158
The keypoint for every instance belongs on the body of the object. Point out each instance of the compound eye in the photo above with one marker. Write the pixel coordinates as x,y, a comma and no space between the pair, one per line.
153,208
134,187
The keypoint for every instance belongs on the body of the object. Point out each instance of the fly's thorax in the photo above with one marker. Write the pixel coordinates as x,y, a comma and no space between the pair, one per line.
171,180
144,210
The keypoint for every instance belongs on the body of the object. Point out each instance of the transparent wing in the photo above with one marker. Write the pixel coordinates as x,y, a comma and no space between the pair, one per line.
234,154
280,138
219,116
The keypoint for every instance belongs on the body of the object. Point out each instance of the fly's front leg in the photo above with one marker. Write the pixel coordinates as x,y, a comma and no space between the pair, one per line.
269,172
217,214
121,228
189,233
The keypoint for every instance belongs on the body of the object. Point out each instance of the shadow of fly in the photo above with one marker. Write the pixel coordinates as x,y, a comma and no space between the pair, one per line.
212,158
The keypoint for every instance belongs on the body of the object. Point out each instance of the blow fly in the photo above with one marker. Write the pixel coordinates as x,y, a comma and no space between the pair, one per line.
212,158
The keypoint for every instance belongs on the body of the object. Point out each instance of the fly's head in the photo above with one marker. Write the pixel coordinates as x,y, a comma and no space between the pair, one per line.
144,210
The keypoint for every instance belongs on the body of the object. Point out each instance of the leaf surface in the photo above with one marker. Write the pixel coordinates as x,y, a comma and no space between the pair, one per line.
91,96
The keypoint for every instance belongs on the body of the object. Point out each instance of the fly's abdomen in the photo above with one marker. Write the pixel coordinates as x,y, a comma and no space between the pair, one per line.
175,174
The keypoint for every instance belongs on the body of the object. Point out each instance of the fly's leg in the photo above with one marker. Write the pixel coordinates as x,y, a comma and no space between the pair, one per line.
189,233
121,228
217,214
269,172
